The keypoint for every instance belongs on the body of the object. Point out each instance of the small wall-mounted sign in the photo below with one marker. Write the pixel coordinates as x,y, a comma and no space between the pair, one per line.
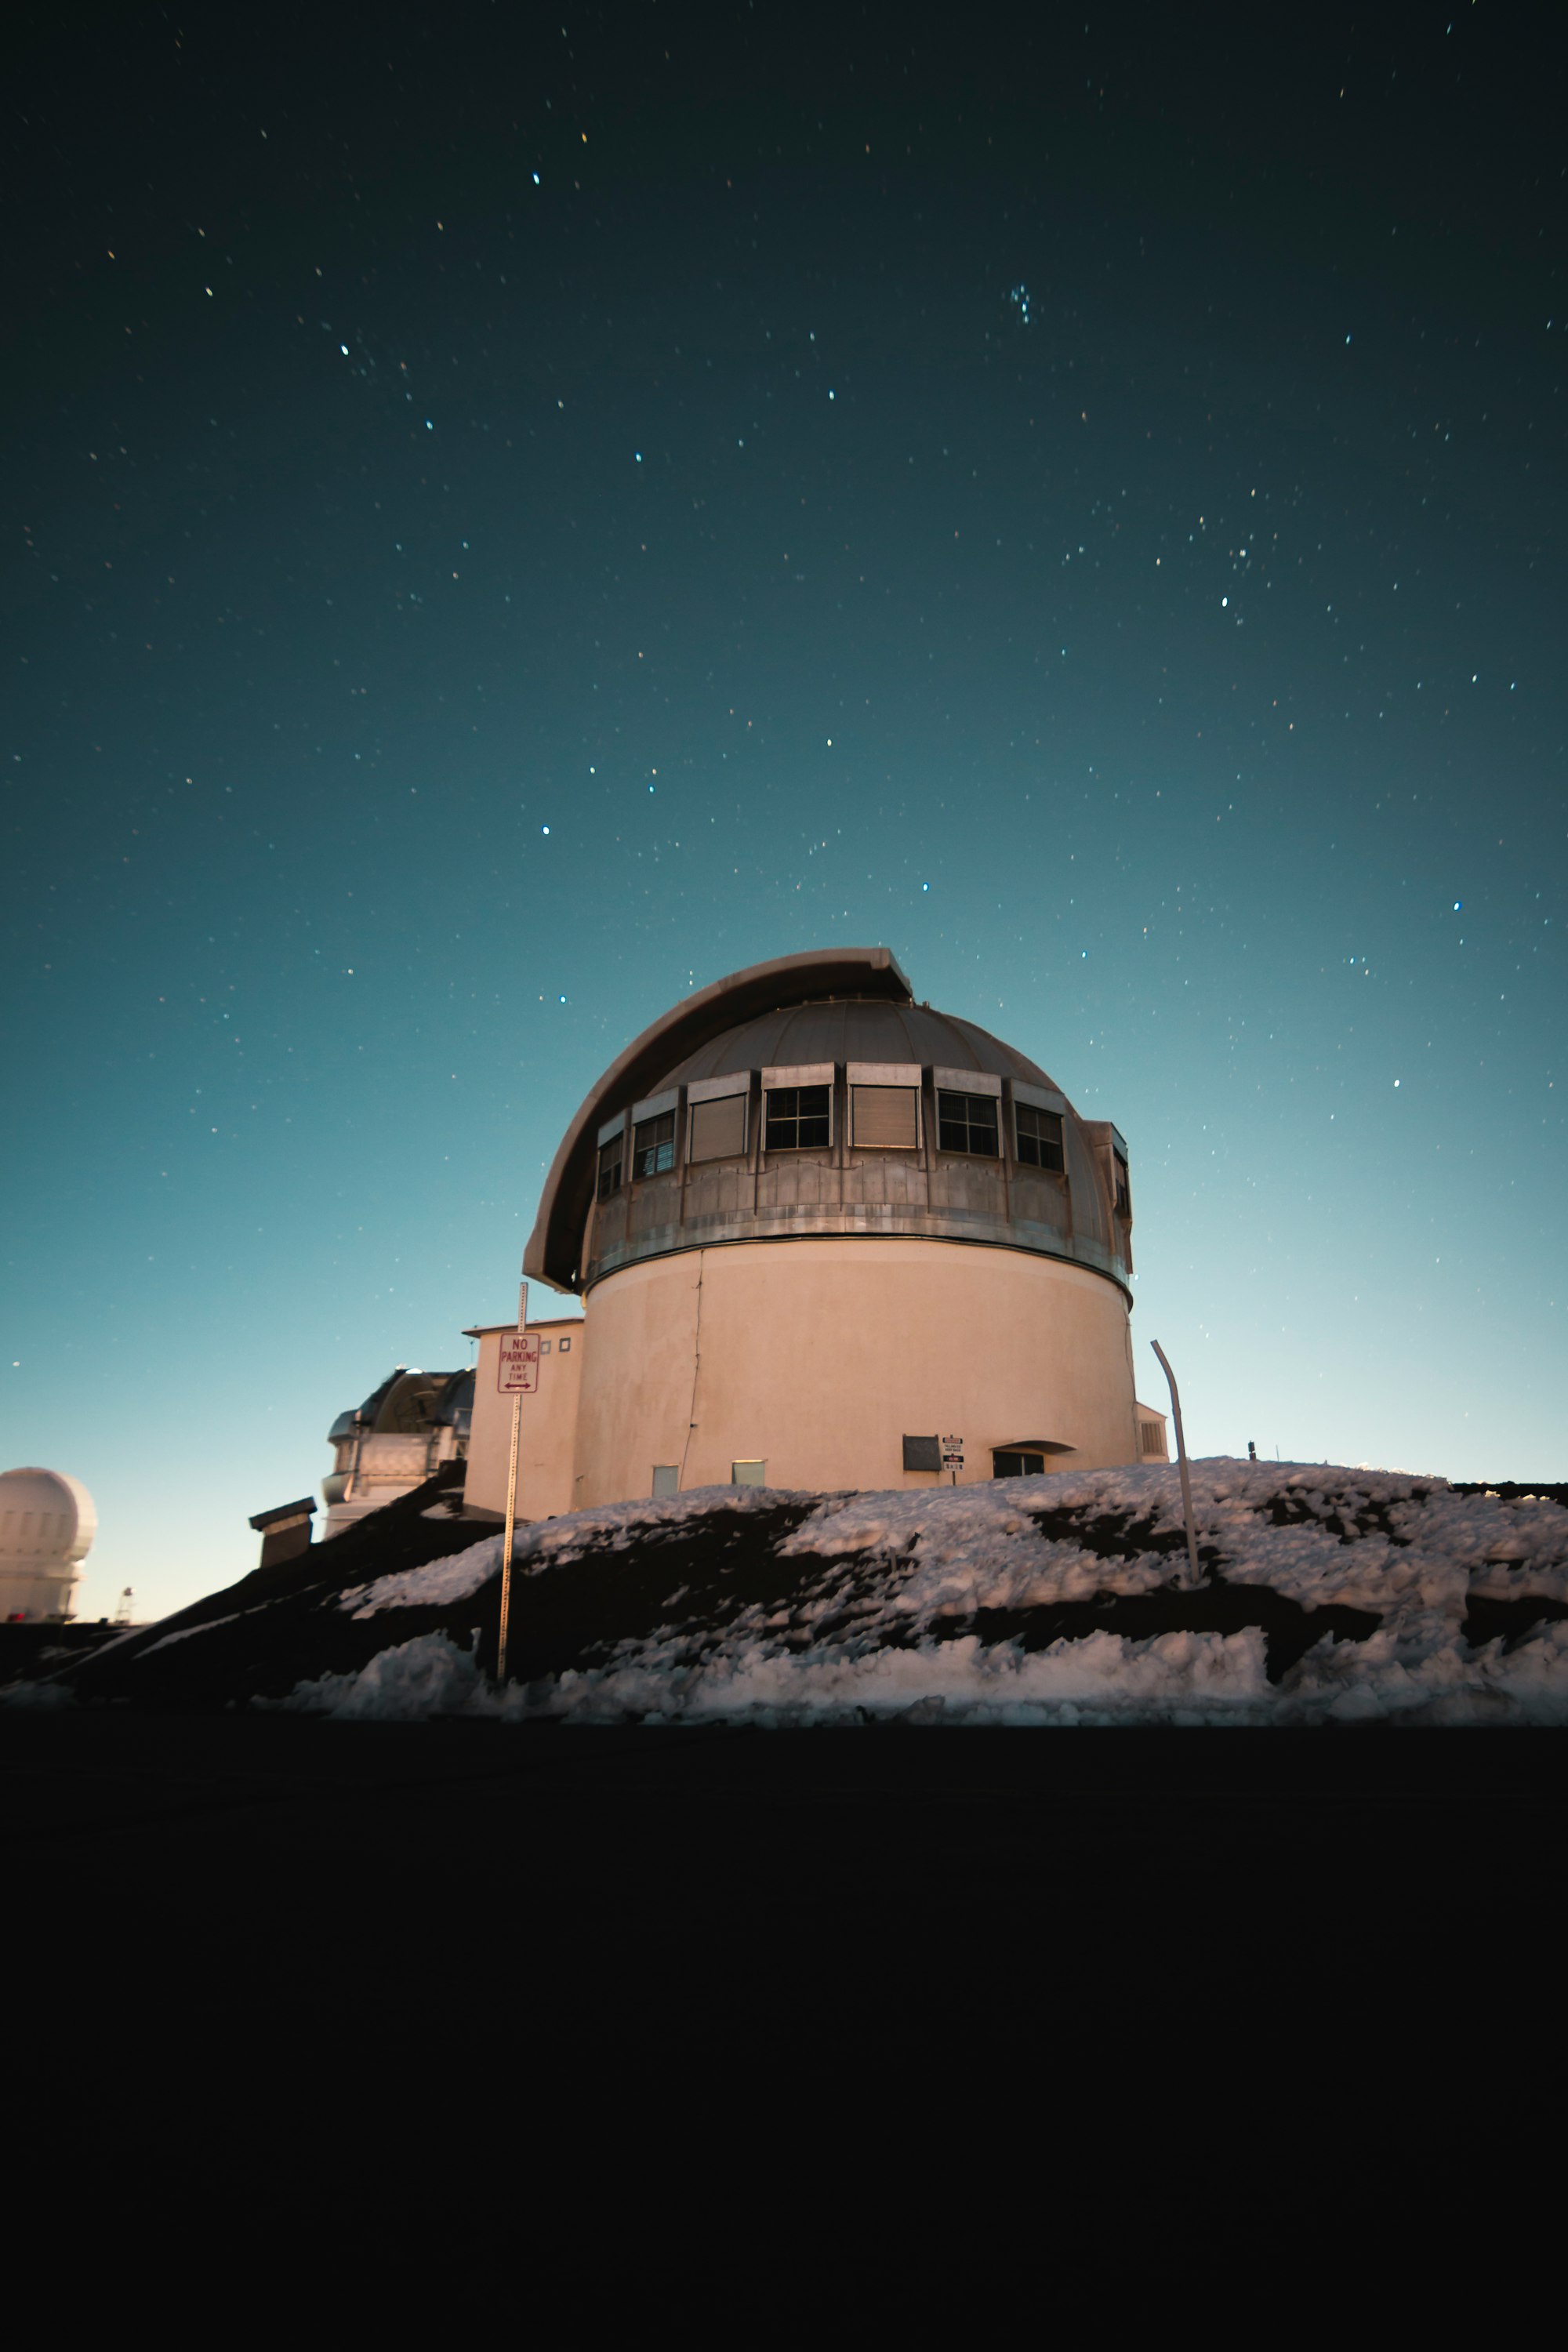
952,1453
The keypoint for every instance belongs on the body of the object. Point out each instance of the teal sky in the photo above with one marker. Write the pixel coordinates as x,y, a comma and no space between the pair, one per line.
1059,513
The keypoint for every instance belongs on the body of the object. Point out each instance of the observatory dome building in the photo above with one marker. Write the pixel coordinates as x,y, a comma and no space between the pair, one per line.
46,1526
396,1439
820,1232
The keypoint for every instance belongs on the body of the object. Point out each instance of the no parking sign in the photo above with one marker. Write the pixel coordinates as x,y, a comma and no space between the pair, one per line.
517,1371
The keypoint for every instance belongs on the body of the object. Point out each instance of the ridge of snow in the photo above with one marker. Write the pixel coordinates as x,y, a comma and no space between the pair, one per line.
456,1577
860,1637
553,1543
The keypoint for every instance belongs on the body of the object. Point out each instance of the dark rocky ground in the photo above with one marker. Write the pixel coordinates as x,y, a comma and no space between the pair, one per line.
321,1971
297,1988
257,1639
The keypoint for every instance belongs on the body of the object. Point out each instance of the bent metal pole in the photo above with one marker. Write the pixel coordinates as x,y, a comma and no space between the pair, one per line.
1182,1459
510,1498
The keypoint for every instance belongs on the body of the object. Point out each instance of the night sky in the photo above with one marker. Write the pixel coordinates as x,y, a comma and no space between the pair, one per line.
512,514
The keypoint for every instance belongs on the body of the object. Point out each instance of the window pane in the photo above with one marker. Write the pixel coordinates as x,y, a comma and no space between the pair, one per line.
967,1123
666,1477
797,1118
747,1474
783,1103
886,1119
783,1118
1040,1138
1018,1465
1123,1196
718,1128
653,1145
609,1168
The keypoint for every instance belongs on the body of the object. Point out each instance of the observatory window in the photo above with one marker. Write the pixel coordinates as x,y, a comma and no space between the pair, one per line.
653,1145
610,1167
967,1123
718,1128
799,1118
1039,1134
747,1474
666,1478
1124,1190
922,1454
885,1118
1010,1464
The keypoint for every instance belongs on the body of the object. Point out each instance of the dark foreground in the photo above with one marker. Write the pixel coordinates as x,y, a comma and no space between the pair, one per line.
293,1949
613,1852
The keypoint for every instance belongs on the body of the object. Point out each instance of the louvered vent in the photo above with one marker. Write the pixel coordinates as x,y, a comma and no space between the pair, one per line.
718,1128
886,1118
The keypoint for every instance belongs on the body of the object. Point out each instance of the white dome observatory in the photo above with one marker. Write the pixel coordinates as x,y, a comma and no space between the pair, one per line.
47,1526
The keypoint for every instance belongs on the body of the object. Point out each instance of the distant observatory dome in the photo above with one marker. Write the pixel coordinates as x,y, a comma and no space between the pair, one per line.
46,1526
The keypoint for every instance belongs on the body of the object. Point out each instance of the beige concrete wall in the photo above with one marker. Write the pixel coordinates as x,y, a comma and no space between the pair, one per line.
819,1355
547,1432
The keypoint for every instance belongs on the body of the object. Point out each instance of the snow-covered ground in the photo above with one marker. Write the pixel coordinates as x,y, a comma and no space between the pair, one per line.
974,1605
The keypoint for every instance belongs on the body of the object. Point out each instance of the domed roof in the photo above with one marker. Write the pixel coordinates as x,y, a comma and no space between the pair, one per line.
1017,1169
555,1243
407,1404
45,1516
854,1029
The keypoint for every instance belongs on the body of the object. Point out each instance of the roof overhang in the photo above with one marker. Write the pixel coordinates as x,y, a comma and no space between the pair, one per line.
535,1323
556,1244
303,1509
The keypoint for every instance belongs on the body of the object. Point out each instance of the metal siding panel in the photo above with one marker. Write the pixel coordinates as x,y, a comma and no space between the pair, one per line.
737,1082
718,1129
1039,1097
967,1082
657,1105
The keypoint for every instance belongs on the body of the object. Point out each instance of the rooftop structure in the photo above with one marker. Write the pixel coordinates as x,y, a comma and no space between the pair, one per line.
401,1433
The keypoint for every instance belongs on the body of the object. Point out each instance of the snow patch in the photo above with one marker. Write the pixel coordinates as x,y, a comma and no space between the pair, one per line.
456,1577
854,1631
429,1675
185,1632
38,1693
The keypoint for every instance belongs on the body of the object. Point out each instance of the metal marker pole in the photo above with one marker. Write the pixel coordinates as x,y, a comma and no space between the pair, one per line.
511,1498
1182,1459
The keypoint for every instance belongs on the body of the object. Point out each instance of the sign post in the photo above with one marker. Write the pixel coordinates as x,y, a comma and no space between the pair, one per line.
953,1455
517,1376
1182,1458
